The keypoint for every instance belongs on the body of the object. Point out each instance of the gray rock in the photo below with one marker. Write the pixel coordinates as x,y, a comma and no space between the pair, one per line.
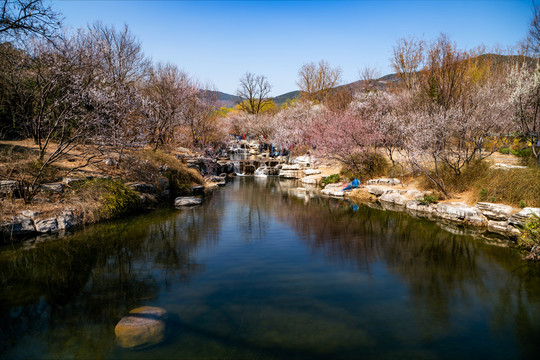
461,213
67,220
311,179
7,187
394,198
384,181
187,201
417,206
143,187
312,172
290,174
56,188
46,225
144,326
377,190
522,217
31,214
291,167
498,212
498,227
333,190
19,225
507,167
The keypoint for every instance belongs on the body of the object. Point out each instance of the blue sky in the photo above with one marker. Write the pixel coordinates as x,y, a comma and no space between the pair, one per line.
218,41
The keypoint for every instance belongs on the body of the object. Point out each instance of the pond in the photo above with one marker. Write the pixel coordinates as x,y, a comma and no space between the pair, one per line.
264,271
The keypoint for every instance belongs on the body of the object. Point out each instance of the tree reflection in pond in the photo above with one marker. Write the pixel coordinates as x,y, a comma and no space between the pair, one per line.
263,269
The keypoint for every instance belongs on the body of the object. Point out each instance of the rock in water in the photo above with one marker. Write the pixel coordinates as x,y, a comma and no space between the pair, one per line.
144,326
187,201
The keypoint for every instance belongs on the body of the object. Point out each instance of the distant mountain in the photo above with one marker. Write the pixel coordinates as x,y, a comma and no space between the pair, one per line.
382,82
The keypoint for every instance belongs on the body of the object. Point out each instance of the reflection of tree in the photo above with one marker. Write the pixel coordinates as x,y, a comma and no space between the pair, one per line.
94,277
441,269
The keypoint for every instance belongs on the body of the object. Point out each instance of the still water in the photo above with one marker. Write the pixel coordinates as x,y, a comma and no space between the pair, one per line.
261,271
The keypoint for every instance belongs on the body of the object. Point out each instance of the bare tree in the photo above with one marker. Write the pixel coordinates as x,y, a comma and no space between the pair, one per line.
317,80
24,17
533,38
253,93
368,77
121,68
408,55
167,90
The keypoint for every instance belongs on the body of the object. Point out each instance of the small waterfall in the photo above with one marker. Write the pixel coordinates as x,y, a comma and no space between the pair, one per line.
261,171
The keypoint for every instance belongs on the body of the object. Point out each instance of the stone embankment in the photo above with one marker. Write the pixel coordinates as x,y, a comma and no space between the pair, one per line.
496,218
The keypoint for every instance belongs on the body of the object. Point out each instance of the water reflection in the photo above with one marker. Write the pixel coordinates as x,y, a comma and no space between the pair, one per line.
265,269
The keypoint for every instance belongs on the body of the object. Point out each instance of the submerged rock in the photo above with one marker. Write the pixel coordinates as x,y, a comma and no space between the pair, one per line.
187,201
144,326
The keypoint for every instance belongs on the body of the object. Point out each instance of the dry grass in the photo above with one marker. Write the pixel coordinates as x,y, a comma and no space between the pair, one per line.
479,182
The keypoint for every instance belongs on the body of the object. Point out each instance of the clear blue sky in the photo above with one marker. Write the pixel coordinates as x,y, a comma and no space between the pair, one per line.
218,41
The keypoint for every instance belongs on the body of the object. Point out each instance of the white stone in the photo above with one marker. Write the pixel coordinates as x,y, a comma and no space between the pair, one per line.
461,213
384,181
333,190
522,217
498,212
507,167
394,198
312,172
311,179
377,190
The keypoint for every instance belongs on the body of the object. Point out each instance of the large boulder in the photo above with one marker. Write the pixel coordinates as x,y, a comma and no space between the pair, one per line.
49,225
333,190
187,201
67,220
17,226
144,326
497,212
314,179
394,198
312,172
461,213
290,174
418,208
377,190
522,217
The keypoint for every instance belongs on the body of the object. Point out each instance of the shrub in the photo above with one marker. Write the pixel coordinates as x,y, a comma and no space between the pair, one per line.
365,165
155,166
104,199
330,179
530,234
429,199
